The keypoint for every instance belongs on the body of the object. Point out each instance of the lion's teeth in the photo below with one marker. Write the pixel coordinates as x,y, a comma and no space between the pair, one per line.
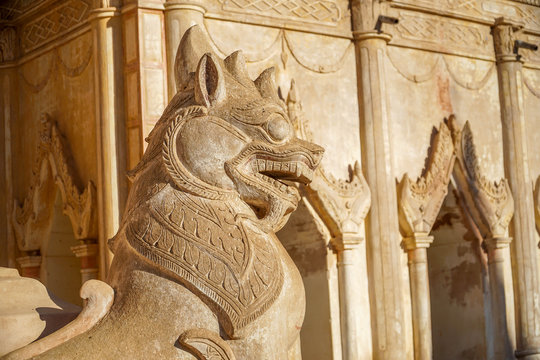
298,171
262,165
293,167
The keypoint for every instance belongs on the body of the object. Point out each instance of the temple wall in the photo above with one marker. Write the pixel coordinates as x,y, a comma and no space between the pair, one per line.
439,60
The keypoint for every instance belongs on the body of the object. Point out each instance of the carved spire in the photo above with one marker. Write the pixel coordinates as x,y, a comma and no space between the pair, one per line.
489,203
420,201
31,220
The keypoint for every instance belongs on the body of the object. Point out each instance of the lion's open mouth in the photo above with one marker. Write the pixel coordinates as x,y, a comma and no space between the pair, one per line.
265,176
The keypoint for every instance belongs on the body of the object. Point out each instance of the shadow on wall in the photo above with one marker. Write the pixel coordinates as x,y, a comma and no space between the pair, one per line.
455,277
310,252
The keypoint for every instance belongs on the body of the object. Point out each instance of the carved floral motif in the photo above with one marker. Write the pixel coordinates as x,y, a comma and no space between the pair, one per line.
31,220
489,203
420,201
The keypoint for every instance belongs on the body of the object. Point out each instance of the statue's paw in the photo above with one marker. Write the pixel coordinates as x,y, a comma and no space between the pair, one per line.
206,345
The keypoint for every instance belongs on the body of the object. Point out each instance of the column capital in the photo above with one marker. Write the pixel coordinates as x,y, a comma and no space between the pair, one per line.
30,266
503,32
29,261
346,241
416,241
498,242
85,250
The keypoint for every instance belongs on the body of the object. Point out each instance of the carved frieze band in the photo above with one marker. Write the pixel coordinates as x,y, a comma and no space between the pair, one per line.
441,34
460,27
489,203
341,204
420,201
54,23
31,220
316,11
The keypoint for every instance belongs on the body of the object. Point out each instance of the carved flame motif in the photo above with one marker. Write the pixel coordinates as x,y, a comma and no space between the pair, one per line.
490,203
420,201
31,221
215,184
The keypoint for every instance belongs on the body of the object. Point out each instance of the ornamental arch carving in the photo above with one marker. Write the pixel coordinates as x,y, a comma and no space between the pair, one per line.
52,171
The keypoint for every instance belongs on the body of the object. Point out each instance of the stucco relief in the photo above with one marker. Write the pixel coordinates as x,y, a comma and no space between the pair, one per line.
420,201
70,60
54,23
31,220
489,203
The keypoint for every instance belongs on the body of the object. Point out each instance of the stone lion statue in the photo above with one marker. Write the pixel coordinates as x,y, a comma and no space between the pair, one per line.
198,272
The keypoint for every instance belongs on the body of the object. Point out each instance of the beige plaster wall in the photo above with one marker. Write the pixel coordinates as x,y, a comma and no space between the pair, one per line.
456,284
61,83
426,87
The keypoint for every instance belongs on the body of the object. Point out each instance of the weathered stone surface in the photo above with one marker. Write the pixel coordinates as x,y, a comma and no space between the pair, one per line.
27,311
197,267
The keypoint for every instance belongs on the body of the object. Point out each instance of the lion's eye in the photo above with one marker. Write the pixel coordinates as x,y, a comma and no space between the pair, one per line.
277,127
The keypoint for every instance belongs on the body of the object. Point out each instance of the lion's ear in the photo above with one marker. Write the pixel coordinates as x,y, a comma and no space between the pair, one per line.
209,81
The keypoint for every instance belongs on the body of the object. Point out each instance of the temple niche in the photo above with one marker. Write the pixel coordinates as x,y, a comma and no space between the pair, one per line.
415,236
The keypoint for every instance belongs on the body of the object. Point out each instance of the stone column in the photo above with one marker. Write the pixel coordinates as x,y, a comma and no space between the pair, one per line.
346,247
180,15
30,266
110,125
87,252
382,233
416,247
502,347
516,166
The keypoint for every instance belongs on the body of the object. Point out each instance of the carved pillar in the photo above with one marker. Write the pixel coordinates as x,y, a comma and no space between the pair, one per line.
87,252
145,72
416,248
382,233
419,205
9,105
180,15
30,266
489,207
347,248
516,166
112,185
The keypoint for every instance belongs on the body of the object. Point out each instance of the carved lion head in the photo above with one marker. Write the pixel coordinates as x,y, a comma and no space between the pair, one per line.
228,136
